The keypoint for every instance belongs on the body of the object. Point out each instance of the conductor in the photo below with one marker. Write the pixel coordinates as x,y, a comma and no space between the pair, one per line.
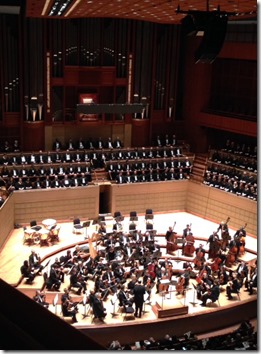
139,292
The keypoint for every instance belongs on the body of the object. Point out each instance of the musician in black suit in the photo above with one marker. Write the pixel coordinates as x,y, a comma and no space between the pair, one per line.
68,308
123,298
139,292
212,294
77,282
252,282
40,297
99,310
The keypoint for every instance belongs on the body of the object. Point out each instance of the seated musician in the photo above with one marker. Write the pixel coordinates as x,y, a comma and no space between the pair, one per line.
251,282
200,256
233,286
68,308
40,297
27,272
109,280
132,283
77,282
34,262
60,269
242,271
119,273
222,276
123,297
212,293
53,280
67,260
99,310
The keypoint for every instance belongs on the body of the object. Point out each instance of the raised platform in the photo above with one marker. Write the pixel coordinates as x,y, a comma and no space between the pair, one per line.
169,308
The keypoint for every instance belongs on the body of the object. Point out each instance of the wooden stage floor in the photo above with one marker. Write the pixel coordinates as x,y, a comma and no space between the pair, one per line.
15,252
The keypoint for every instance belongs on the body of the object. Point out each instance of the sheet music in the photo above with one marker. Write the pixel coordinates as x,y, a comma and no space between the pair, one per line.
145,296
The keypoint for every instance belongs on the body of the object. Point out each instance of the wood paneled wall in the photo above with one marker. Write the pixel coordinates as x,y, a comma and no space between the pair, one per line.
216,205
63,205
6,219
161,197
60,204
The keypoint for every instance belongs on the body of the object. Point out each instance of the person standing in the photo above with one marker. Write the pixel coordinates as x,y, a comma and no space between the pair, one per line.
139,292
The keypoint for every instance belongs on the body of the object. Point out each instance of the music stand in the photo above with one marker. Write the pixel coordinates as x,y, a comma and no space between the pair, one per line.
165,282
55,301
113,302
179,240
84,301
145,298
86,224
194,303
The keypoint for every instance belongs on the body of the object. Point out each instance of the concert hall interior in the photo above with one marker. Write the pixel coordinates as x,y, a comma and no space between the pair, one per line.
128,173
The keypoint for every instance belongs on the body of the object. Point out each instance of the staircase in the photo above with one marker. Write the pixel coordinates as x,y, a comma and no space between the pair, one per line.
199,166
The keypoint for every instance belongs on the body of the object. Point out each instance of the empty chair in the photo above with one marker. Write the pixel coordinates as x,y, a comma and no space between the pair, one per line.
149,214
28,236
149,226
34,226
117,216
132,226
133,216
128,311
77,226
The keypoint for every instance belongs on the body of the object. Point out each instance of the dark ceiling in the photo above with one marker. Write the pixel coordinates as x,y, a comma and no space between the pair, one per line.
160,11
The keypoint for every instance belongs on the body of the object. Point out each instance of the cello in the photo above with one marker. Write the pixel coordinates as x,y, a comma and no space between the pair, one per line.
180,285
199,259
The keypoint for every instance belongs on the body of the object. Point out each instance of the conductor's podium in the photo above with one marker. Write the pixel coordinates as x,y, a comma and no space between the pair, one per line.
167,305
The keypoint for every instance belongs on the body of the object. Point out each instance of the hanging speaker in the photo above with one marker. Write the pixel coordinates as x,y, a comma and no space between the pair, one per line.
213,38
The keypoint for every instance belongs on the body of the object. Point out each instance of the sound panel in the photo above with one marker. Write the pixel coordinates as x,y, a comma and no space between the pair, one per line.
214,36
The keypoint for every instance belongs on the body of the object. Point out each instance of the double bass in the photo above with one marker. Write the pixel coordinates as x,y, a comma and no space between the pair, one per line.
171,239
189,248
242,241
225,237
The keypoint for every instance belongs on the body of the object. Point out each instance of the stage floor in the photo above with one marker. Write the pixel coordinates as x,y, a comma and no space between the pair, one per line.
15,252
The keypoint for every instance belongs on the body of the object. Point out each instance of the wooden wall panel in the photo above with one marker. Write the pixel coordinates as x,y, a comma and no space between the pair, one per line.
60,204
6,219
216,205
161,197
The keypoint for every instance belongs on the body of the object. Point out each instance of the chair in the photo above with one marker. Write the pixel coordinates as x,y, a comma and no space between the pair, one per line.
128,311
34,226
44,239
149,226
149,214
117,216
132,226
28,237
53,235
77,226
133,216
